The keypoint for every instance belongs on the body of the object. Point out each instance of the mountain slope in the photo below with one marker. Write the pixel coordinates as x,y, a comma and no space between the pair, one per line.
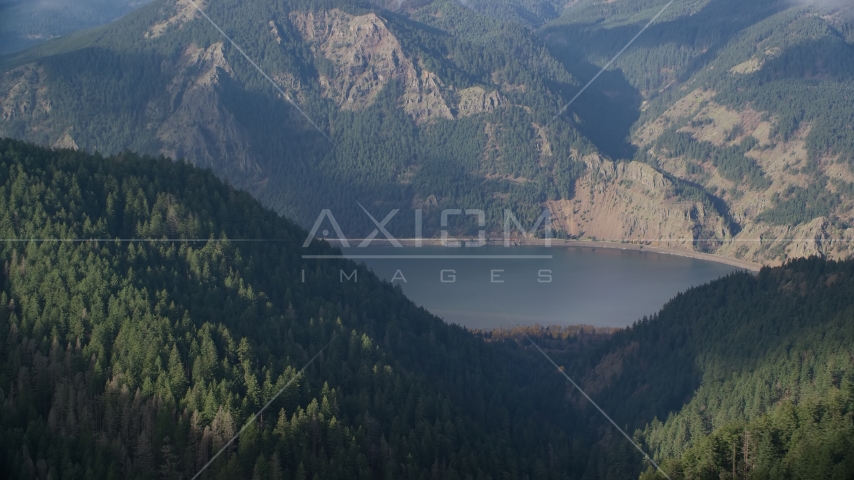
422,115
141,359
750,108
737,127
749,374
130,358
388,92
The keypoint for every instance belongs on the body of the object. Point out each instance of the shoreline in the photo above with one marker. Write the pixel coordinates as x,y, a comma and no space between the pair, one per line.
734,262
555,242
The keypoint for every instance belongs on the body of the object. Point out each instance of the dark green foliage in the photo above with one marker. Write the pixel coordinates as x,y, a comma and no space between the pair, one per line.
801,205
121,359
140,359
813,438
730,161
805,83
688,36
757,360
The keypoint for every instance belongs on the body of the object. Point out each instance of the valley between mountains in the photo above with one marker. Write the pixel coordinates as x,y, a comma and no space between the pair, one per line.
166,314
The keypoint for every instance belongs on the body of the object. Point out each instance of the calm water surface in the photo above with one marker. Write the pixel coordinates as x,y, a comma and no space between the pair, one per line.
578,285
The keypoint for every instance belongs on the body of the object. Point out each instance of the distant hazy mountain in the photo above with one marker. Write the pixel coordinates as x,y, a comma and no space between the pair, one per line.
24,23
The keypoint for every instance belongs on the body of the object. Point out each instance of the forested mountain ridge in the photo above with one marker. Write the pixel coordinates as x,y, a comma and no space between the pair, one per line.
748,377
438,107
141,359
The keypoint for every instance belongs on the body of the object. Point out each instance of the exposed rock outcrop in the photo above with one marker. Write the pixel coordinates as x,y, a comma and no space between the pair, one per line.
66,142
476,99
773,244
22,94
632,202
181,12
199,128
365,56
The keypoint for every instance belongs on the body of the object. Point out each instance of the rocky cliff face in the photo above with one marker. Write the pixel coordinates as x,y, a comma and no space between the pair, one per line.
25,105
198,126
476,100
771,244
176,15
632,202
365,56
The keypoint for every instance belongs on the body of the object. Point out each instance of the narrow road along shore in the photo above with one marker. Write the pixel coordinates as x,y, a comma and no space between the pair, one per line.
556,242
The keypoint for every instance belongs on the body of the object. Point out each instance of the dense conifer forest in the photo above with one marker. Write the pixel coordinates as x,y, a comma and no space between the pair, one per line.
127,359
154,295
750,376
142,358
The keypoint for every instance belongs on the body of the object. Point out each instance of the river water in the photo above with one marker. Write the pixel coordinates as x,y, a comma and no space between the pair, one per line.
495,286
